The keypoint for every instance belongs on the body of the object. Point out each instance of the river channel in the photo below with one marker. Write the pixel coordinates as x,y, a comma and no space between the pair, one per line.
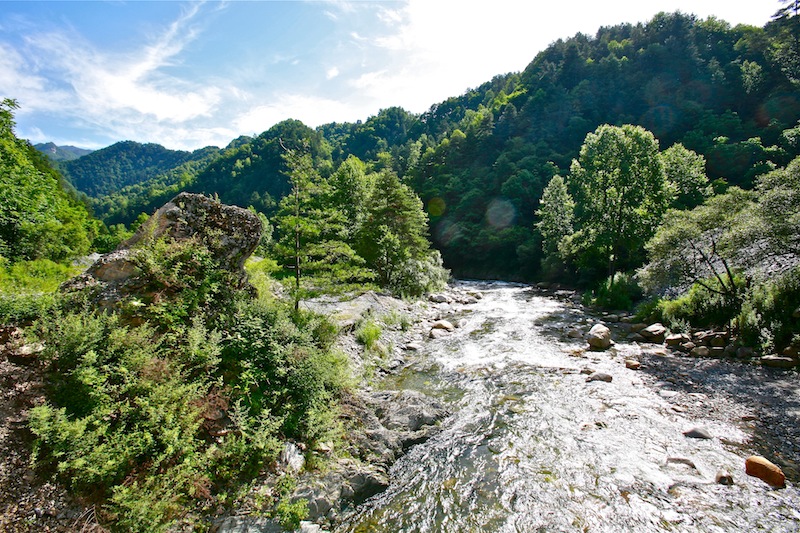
532,446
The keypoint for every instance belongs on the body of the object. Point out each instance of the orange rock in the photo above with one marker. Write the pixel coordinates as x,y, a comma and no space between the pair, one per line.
765,470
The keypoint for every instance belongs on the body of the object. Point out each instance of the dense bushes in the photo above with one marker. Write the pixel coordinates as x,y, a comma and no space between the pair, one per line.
770,316
166,411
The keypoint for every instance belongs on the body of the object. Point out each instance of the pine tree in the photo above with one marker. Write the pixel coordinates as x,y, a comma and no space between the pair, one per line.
312,234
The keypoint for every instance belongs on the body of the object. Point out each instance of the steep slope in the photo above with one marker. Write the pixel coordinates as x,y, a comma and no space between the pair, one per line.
124,163
61,153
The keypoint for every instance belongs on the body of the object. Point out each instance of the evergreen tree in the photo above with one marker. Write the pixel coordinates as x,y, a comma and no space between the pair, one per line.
395,230
312,234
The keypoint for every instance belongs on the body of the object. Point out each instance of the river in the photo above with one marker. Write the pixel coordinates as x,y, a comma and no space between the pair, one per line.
532,446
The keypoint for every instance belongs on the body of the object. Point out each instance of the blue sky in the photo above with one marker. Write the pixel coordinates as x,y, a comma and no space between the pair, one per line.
193,74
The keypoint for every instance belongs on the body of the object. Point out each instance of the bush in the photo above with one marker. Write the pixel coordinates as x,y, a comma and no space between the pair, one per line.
125,417
768,316
620,295
699,307
420,276
368,333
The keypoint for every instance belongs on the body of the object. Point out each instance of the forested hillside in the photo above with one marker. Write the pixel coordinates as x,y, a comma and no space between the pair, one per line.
480,161
124,163
61,153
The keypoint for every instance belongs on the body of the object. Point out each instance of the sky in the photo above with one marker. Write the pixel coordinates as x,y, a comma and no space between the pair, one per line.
192,74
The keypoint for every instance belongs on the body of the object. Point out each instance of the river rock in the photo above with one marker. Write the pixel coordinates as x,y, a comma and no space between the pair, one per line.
654,333
229,233
765,470
700,351
599,337
438,298
600,376
698,433
723,478
633,364
676,339
443,324
574,333
437,333
777,361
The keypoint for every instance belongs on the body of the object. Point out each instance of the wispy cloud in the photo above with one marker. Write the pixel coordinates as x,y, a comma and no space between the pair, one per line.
120,93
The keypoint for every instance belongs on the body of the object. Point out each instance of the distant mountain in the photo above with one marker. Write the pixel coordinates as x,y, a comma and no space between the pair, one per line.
61,153
125,163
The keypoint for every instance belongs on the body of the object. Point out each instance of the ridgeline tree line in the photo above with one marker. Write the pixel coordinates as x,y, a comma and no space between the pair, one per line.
658,159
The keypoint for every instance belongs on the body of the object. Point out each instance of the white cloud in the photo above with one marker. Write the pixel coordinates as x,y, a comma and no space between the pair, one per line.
331,73
311,110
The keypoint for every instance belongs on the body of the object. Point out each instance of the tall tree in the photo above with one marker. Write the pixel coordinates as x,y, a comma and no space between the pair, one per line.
312,234
556,211
686,173
395,230
621,193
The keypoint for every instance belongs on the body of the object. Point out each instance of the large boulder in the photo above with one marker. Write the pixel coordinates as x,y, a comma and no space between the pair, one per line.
599,337
230,234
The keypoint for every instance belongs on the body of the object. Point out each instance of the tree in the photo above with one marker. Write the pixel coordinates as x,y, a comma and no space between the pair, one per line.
779,208
395,230
556,210
686,173
700,246
312,234
621,193
38,219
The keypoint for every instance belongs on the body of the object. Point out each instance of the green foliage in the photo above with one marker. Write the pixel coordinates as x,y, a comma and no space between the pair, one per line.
312,234
556,210
769,316
37,276
703,305
620,192
125,163
686,173
182,280
368,334
38,219
691,246
621,293
170,412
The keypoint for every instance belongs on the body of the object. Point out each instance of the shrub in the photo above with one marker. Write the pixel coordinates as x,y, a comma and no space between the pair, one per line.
620,295
368,333
420,276
768,316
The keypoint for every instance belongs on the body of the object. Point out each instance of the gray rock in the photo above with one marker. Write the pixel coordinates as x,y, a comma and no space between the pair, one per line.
654,333
230,233
777,361
600,376
292,458
599,337
676,339
698,433
700,351
443,324
723,478
438,298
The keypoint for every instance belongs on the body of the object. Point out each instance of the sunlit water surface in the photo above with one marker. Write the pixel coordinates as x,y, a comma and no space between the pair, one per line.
531,446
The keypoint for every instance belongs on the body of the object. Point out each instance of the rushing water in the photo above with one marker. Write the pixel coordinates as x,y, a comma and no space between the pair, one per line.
533,446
